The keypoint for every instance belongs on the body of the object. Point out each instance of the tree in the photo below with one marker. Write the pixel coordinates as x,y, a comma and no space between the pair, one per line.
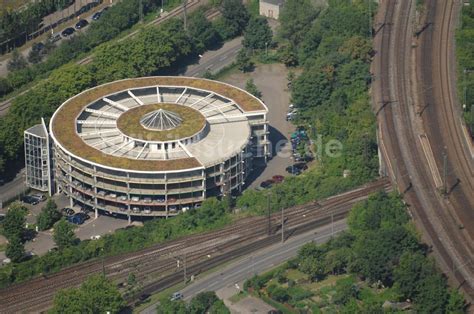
171,307
63,234
411,270
257,34
235,15
48,216
252,88
17,62
35,55
432,296
244,62
14,222
202,31
202,302
15,249
456,303
287,55
346,290
96,295
295,20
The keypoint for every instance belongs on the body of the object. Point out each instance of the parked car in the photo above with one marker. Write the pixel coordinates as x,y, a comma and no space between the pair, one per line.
176,296
96,15
123,197
278,178
112,195
81,24
83,216
147,200
68,32
95,237
197,205
135,198
184,209
39,197
173,208
136,209
55,37
293,170
147,210
68,211
75,219
301,166
266,184
29,200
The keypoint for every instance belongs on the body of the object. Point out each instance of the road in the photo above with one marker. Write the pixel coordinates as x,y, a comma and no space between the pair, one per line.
264,260
402,144
215,60
13,188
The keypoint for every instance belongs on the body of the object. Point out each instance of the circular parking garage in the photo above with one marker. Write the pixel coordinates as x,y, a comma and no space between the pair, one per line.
156,146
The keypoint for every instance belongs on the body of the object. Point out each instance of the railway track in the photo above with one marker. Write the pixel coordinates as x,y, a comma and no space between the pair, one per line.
158,263
442,117
401,145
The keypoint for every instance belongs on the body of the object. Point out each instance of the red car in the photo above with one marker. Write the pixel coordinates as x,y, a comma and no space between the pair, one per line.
278,179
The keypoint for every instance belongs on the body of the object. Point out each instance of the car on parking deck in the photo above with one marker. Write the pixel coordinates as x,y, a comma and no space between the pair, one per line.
68,32
39,197
29,200
68,211
81,24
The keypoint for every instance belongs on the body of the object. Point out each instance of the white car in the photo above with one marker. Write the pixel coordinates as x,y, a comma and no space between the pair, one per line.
185,209
95,237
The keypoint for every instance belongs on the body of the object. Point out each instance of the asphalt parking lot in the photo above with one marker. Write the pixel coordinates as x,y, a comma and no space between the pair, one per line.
271,81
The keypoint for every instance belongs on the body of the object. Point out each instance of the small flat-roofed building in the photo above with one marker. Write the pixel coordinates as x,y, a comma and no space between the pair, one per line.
271,8
38,158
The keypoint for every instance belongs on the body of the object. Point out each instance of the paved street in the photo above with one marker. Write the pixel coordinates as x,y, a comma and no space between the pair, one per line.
215,60
13,188
264,260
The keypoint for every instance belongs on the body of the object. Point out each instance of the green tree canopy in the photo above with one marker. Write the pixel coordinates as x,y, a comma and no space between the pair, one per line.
296,18
15,249
96,295
235,16
63,234
17,61
48,216
14,222
257,34
202,31
252,88
244,62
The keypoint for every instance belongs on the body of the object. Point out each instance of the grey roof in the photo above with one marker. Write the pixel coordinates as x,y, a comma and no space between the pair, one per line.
37,130
161,120
274,2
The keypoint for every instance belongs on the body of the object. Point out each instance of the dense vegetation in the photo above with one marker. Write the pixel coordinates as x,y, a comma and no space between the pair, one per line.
204,302
95,295
334,48
465,59
382,252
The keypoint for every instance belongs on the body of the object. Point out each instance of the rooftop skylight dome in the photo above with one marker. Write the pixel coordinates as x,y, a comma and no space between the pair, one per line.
161,120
